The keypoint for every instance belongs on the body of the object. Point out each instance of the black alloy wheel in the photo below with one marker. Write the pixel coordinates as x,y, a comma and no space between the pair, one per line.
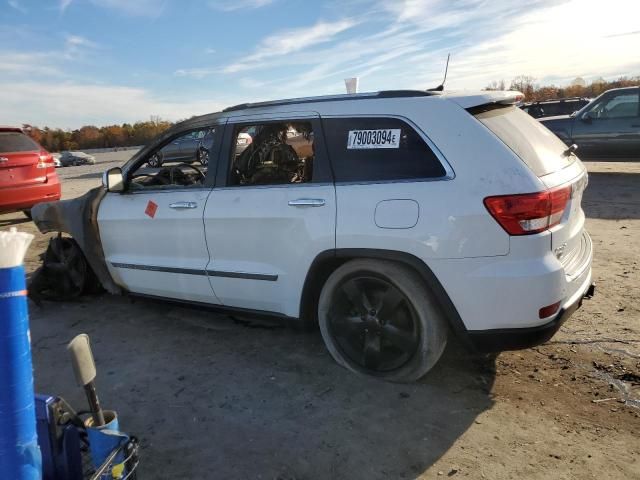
374,323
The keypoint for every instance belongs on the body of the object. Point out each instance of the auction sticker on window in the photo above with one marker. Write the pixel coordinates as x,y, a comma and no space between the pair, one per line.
386,138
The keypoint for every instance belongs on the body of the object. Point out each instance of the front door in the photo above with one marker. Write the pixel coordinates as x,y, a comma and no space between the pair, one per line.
153,235
611,127
272,211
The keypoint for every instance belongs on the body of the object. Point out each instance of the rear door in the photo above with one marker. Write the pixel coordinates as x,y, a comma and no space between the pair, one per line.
19,157
153,236
272,212
611,127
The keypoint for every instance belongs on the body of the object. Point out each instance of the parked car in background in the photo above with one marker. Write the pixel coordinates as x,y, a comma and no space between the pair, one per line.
608,127
188,148
27,172
365,213
550,108
56,160
74,159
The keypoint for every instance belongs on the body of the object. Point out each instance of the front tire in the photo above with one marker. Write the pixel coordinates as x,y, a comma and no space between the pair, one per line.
378,318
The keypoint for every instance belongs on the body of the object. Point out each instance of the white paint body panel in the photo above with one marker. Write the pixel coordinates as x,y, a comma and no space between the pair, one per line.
255,230
172,239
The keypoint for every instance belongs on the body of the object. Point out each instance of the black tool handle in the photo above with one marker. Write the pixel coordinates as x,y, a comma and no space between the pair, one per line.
94,404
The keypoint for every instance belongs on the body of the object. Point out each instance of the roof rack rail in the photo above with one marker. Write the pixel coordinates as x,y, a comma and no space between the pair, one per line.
333,98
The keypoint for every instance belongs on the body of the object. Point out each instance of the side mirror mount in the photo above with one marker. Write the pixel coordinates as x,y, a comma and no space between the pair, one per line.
113,180
586,117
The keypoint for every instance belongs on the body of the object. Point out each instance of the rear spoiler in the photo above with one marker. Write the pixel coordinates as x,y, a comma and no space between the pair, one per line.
472,100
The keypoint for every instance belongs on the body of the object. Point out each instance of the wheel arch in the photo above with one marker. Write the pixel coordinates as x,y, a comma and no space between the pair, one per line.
326,262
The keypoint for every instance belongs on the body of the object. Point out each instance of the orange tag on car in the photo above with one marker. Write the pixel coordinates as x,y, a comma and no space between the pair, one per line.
151,209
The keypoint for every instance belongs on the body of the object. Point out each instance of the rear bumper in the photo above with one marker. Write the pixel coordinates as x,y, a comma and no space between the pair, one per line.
520,338
23,198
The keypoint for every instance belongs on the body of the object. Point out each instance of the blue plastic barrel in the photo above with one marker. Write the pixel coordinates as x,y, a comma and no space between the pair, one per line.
19,452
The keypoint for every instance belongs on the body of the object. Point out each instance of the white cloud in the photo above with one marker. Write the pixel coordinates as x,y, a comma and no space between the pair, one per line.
71,105
27,63
64,4
290,41
195,73
488,41
540,46
233,5
16,5
78,41
404,48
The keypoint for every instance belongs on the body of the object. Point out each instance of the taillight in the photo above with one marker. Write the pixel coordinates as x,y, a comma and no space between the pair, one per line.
525,214
45,160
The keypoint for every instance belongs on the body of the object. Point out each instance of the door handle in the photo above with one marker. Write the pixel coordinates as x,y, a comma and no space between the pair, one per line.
635,125
183,205
307,202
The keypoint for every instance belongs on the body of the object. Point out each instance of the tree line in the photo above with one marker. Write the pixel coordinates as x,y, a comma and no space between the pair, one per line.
90,136
140,133
577,88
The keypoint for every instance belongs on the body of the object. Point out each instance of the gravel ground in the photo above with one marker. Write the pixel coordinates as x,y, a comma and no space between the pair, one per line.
211,396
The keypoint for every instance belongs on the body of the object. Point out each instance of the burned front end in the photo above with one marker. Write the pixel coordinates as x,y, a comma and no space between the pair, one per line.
71,265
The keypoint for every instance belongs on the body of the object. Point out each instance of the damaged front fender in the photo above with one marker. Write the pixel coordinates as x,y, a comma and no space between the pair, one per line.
79,218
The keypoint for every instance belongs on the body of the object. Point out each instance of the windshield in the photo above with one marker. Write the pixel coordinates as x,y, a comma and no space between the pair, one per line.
537,146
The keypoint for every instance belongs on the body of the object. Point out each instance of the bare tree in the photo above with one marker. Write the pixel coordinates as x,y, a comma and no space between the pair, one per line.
578,82
524,84
496,85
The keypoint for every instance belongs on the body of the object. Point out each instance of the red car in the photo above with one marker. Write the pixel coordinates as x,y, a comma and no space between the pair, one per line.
27,172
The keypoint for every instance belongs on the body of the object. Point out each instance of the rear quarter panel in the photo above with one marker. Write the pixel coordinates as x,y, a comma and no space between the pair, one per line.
452,220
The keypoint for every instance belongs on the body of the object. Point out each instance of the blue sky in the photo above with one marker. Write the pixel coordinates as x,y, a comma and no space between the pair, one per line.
66,63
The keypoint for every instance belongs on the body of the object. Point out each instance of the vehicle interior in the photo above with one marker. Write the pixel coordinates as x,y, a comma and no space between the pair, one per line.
280,153
173,172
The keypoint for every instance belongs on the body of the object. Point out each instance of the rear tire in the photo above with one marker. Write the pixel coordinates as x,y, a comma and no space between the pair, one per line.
378,318
27,214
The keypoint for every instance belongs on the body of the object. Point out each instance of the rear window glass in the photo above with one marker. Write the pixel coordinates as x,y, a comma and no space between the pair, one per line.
16,142
537,146
378,149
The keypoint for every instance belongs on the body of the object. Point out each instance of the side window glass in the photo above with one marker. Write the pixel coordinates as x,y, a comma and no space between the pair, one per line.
274,153
181,162
623,105
378,149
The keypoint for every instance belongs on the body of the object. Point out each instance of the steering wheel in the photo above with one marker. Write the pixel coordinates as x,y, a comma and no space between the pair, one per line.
176,167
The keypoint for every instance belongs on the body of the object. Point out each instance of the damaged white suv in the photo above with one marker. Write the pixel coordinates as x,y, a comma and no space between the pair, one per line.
390,218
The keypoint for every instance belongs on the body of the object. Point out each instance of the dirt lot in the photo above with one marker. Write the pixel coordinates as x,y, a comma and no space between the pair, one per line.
212,396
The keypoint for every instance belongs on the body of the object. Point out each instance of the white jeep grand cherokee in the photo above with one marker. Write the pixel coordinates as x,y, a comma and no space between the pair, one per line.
391,218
